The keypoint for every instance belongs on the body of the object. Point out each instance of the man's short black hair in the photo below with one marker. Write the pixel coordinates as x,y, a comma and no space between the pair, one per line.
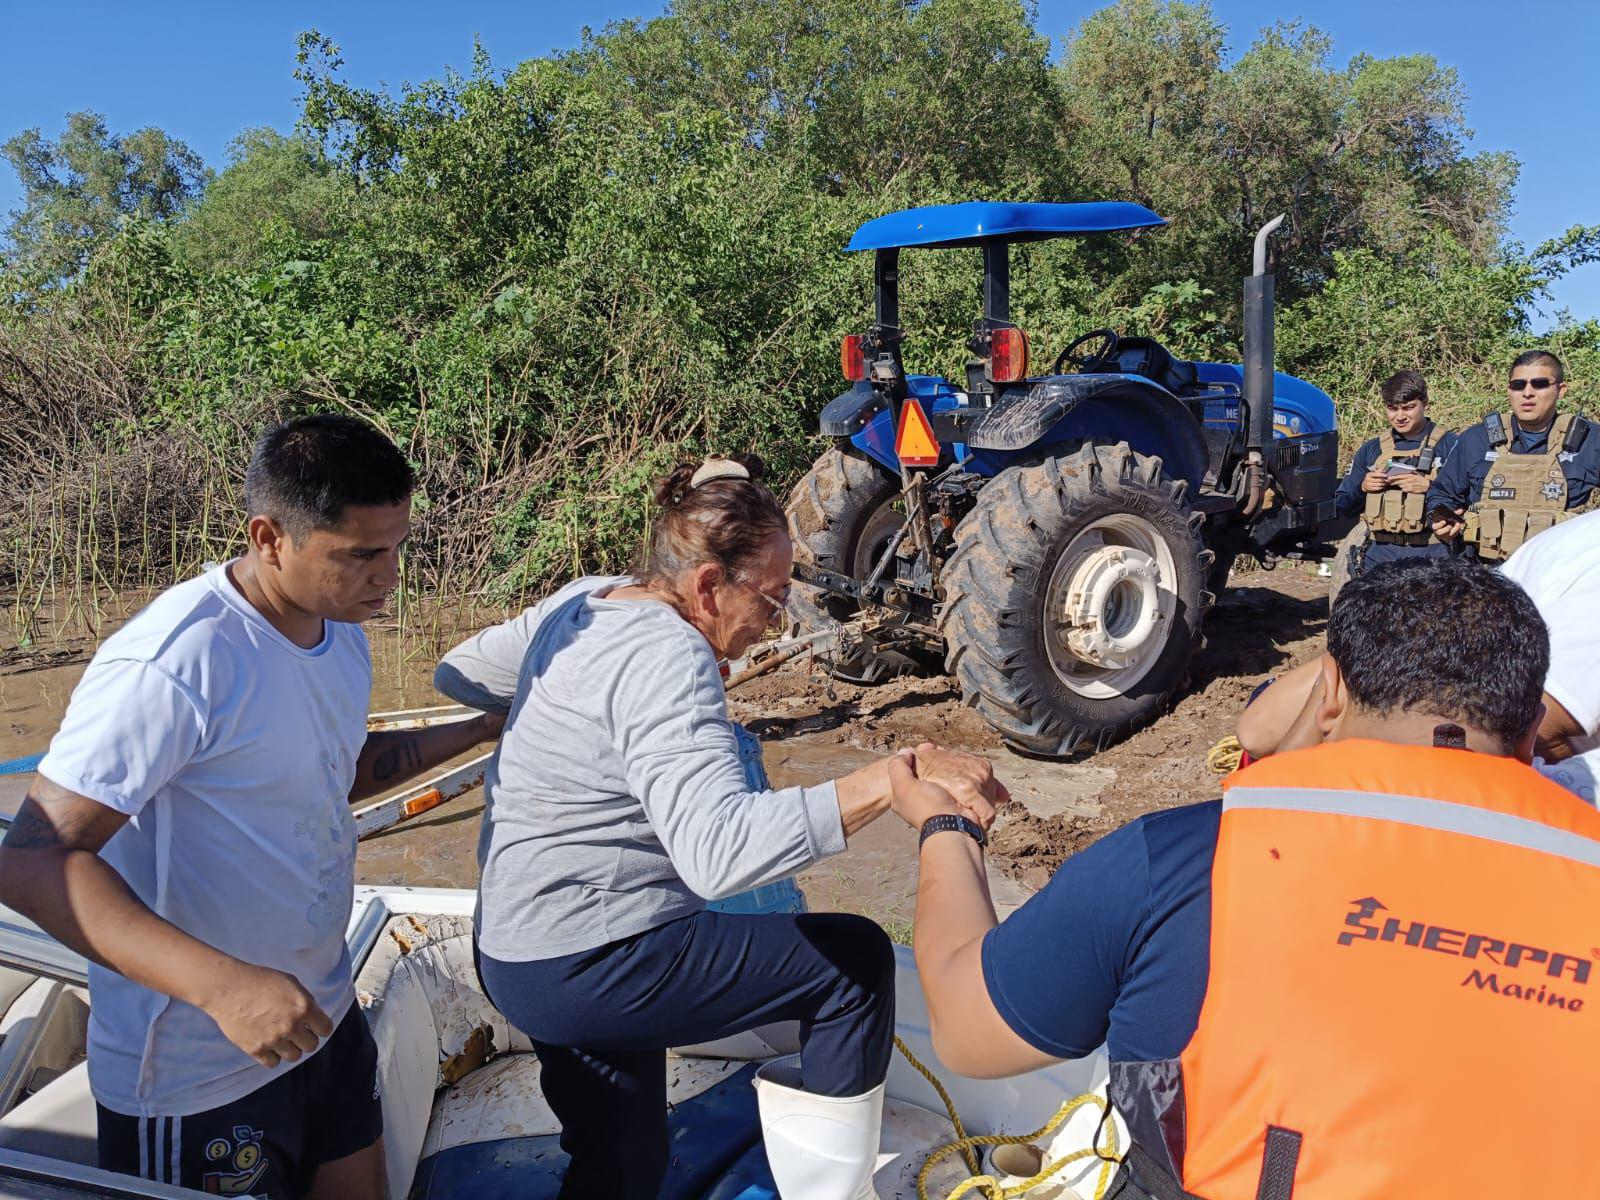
306,472
1403,386
1444,636
1531,358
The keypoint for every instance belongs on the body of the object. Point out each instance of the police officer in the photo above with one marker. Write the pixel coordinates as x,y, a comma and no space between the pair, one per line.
1517,474
1390,476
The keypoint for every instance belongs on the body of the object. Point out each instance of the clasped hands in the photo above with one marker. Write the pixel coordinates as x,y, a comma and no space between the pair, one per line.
928,781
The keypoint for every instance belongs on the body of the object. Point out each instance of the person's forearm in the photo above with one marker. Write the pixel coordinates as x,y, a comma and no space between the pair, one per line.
78,899
392,756
954,912
863,797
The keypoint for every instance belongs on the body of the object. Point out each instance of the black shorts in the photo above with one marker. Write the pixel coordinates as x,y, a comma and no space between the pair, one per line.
269,1143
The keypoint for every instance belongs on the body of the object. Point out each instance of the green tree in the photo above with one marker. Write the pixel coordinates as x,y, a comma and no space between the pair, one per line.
1372,156
269,178
78,188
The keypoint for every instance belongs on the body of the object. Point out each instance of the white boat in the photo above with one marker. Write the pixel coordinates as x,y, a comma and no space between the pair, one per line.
463,1113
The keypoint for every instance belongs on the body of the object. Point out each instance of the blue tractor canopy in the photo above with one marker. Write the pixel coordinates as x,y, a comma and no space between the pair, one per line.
992,226
980,221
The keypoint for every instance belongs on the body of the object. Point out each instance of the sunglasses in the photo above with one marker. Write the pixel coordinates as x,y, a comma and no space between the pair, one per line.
1538,385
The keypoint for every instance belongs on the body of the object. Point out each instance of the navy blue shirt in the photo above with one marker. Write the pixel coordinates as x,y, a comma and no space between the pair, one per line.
1117,946
1460,481
1350,499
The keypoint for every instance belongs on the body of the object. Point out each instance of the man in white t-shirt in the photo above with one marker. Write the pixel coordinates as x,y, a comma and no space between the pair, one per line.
190,834
1560,569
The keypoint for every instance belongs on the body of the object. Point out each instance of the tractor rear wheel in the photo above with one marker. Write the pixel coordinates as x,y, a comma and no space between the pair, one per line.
842,516
1074,598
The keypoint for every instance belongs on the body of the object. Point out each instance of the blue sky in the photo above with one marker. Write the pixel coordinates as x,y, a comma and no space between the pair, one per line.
203,71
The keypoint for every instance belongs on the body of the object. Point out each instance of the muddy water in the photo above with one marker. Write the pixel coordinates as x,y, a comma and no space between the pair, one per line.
876,876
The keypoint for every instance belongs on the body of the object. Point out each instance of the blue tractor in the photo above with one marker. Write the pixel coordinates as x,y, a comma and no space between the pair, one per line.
1052,540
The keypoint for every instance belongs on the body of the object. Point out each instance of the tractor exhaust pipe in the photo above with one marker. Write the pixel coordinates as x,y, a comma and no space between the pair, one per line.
1259,353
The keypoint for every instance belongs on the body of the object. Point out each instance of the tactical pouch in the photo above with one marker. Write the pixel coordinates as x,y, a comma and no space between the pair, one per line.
1523,495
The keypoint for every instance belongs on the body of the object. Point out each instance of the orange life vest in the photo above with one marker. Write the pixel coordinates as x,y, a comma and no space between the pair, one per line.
1404,991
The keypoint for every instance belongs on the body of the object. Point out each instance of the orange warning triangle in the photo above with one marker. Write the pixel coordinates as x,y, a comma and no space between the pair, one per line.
914,443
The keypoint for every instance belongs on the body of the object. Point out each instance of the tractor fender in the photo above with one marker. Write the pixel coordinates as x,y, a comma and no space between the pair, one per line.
848,413
1098,408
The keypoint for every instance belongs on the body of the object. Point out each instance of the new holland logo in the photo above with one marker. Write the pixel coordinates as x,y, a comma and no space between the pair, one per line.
1500,954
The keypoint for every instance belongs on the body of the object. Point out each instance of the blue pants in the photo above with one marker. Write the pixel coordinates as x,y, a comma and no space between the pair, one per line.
1377,554
601,1021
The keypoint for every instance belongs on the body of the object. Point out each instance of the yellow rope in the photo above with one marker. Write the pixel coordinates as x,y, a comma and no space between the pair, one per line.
991,1187
1224,756
970,1158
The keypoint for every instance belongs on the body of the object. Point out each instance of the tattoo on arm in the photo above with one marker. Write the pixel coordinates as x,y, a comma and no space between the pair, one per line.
53,818
31,829
403,758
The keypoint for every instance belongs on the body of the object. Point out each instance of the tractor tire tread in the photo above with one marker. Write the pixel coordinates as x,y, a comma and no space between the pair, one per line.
993,578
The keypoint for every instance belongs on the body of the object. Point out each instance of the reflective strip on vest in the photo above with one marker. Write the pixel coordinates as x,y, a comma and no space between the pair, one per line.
1402,972
1427,814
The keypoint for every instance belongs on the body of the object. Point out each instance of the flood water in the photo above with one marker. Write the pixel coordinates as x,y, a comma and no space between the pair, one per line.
876,876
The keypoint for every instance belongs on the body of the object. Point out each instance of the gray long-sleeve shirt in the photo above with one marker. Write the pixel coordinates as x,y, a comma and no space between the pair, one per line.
616,800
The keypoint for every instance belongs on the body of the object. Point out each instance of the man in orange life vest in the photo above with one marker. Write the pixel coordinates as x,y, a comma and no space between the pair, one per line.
1367,965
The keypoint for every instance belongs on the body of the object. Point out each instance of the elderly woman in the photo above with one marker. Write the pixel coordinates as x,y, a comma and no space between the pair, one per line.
618,805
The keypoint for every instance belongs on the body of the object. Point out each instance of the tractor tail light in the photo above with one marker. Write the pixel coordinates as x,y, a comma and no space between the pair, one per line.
1008,355
851,359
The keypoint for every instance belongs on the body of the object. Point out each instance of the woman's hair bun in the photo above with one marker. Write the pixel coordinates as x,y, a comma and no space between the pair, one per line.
717,511
753,464
677,483
671,488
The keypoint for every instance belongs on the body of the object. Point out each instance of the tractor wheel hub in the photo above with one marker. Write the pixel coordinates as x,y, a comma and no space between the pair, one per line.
1112,606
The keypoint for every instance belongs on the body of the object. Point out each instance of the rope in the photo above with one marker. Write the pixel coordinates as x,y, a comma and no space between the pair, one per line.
21,766
990,1187
1223,758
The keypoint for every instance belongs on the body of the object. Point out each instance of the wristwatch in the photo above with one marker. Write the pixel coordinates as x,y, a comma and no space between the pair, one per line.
954,821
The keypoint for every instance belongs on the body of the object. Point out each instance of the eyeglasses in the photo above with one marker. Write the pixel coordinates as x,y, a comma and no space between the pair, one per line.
776,605
1538,385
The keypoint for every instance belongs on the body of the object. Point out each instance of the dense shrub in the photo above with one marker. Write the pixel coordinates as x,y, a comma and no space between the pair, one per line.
549,282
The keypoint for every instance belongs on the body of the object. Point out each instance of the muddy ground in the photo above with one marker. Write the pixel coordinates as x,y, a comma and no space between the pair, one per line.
815,729
1264,623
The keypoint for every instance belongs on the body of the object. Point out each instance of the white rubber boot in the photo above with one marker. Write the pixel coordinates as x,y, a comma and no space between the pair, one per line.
819,1147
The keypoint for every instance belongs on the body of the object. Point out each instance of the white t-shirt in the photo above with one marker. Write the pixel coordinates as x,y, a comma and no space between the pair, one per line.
233,751
1560,569
1579,774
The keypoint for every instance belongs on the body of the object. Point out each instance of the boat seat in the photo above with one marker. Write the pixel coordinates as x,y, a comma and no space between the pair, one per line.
42,1035
58,1121
12,984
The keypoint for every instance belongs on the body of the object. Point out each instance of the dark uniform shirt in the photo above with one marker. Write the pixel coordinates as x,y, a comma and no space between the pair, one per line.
1117,946
1350,499
1460,481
